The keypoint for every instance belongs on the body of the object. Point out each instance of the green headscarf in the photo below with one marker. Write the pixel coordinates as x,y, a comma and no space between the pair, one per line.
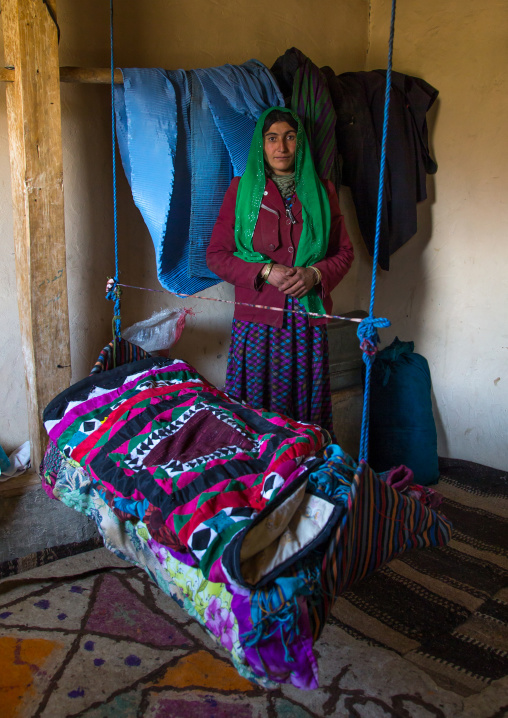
311,193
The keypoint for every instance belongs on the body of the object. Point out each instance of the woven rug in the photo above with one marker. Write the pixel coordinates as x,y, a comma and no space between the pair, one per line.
47,555
90,635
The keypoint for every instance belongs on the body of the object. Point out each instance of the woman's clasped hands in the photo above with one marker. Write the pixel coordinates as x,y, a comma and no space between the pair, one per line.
293,281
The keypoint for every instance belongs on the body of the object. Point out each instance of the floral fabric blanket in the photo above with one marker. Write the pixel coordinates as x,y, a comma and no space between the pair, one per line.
208,603
221,485
270,632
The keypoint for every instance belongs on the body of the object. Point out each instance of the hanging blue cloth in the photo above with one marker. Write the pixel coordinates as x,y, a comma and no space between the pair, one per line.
211,176
237,95
182,136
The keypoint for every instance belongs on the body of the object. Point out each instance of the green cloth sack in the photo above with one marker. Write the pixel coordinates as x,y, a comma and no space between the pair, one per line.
402,428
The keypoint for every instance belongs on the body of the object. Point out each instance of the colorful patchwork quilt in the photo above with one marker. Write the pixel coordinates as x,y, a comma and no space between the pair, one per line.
221,484
245,517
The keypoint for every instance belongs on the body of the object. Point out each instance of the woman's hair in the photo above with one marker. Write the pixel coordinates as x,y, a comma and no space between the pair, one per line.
279,116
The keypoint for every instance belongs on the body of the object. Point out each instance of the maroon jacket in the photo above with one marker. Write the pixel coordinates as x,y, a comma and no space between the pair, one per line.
279,241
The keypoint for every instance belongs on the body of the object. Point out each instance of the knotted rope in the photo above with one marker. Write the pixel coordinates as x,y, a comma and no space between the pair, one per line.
369,339
367,331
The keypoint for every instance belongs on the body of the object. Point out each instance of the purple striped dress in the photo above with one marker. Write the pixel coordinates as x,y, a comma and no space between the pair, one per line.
284,370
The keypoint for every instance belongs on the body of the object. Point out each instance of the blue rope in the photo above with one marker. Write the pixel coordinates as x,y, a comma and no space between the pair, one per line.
367,331
115,292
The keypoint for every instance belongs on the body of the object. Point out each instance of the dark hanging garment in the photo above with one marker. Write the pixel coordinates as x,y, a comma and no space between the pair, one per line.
284,70
358,98
305,90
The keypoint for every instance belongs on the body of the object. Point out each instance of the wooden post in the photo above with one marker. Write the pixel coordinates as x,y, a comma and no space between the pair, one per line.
35,142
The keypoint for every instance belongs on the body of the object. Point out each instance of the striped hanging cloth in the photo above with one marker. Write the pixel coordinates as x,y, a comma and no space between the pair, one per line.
312,102
116,353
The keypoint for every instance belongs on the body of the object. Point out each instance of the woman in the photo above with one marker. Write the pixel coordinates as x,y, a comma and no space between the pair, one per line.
280,238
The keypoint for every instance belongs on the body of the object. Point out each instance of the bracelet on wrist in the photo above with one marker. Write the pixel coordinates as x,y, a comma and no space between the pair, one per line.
265,272
318,274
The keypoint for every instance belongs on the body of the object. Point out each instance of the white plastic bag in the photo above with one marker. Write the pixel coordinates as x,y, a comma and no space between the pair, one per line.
19,462
160,332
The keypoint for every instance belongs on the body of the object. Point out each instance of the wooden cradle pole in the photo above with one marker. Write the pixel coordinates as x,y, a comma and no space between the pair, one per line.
35,144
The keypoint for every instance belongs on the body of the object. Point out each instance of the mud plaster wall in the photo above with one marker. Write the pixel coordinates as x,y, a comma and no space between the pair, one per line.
447,288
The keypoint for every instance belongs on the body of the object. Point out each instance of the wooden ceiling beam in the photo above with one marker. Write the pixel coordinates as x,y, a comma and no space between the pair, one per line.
86,75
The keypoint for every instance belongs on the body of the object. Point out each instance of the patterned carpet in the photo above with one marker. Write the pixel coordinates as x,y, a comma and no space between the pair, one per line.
89,635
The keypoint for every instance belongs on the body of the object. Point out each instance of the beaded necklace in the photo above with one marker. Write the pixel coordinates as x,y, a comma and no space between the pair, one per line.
286,186
288,201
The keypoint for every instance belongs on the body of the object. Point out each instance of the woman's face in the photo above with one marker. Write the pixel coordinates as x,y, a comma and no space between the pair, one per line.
279,148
